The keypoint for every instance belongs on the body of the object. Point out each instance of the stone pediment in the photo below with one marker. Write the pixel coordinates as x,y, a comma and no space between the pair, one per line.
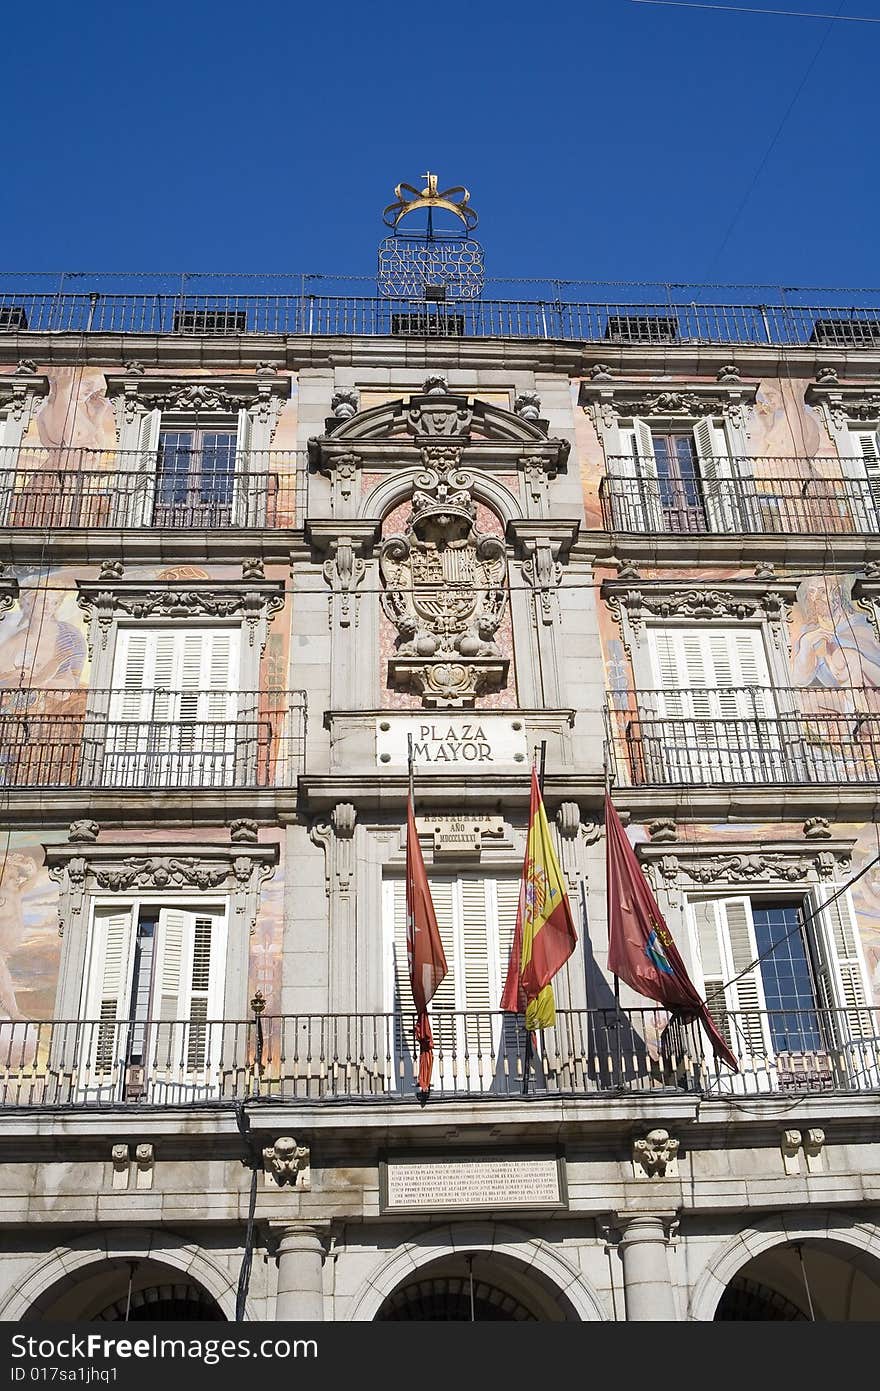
432,417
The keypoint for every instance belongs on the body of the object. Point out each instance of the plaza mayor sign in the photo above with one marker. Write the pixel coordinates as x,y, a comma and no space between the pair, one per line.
441,741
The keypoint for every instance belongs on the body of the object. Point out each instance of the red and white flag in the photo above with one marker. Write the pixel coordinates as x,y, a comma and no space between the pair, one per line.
424,949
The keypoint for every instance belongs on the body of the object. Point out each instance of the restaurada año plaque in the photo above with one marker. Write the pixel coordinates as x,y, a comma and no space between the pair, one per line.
472,1181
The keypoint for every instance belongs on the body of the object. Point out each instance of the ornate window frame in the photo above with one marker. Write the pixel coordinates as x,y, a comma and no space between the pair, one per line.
691,867
843,405
767,602
608,401
135,393
252,601
234,871
22,392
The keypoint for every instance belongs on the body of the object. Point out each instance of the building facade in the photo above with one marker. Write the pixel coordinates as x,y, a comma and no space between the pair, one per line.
254,545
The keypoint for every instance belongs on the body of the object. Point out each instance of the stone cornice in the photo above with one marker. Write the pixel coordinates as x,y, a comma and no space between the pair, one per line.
109,597
325,533
527,533
169,866
767,863
763,600
137,391
846,403
608,400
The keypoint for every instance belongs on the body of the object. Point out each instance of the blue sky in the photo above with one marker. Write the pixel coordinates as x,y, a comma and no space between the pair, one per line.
600,140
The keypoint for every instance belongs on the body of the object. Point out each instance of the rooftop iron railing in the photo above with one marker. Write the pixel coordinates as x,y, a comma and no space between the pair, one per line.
746,735
184,739
735,496
104,489
374,1057
602,313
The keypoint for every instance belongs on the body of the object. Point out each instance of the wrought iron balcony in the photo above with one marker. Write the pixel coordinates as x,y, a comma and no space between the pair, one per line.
155,739
730,496
364,1057
104,489
755,735
590,312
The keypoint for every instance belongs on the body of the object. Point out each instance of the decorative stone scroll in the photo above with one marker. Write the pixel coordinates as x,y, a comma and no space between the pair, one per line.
445,592
344,543
545,544
8,590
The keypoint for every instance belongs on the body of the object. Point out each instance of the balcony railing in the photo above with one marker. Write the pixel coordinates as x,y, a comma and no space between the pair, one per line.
729,737
157,739
730,496
549,309
373,1057
103,489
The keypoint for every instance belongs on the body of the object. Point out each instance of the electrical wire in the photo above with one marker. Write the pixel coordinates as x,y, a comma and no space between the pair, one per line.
775,138
748,9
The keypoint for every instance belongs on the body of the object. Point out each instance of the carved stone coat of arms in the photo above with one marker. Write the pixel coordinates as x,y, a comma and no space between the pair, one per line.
445,592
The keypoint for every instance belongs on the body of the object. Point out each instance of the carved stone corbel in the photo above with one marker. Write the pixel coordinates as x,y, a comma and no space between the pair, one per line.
344,544
790,1145
8,591
120,1164
144,1158
814,1146
287,1164
568,826
21,392
655,1155
336,838
545,545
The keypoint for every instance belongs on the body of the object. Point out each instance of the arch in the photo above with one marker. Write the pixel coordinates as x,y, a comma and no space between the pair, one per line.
120,1244
399,488
778,1230
525,1252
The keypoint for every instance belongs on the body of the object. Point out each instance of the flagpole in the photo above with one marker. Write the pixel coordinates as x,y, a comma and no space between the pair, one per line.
527,1060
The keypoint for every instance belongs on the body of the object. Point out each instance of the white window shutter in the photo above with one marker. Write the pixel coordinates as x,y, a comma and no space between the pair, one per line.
107,987
705,933
247,465
189,972
144,466
745,992
399,982
716,477
649,481
842,979
865,452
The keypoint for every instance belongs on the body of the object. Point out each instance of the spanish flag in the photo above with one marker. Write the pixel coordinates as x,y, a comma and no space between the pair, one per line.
544,937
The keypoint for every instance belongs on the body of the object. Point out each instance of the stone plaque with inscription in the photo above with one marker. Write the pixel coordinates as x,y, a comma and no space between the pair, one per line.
472,1181
454,835
444,741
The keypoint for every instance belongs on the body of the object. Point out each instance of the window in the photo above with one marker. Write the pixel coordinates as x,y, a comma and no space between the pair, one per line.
190,471
476,916
685,479
712,717
195,478
784,980
152,996
864,448
173,708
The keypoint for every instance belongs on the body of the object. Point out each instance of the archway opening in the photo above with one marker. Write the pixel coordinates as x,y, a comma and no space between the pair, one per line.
478,1287
127,1290
819,1280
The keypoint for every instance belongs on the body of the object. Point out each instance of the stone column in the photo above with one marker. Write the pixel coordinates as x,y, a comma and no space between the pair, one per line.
300,1296
643,1239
